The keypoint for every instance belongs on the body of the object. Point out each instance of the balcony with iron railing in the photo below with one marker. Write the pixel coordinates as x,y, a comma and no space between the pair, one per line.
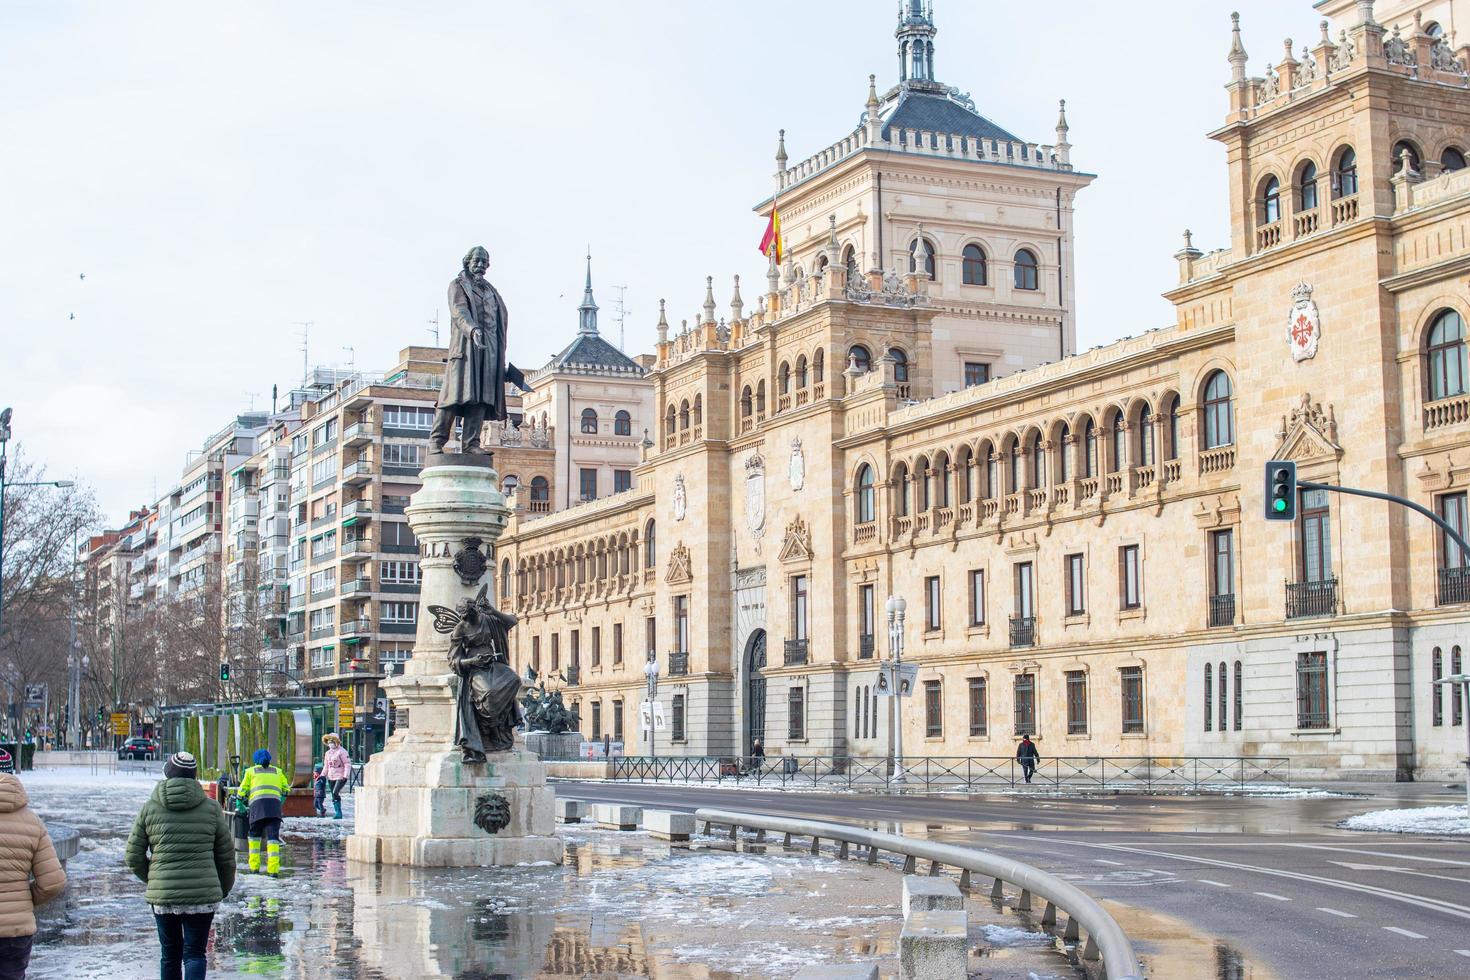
679,663
796,652
1304,599
1023,631
1222,610
573,673
1454,586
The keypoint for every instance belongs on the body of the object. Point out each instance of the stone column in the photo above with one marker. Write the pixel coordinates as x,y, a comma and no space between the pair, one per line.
418,800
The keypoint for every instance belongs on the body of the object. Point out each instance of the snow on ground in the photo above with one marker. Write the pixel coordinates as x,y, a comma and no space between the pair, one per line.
1413,820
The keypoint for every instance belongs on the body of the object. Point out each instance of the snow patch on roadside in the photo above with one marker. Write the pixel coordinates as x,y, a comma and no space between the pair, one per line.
1012,936
1412,820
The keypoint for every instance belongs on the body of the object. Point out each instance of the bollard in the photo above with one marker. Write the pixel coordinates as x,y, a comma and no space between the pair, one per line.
922,894
673,825
570,811
839,971
933,946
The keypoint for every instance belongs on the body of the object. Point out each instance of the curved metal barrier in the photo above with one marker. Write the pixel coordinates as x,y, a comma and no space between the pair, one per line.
1105,937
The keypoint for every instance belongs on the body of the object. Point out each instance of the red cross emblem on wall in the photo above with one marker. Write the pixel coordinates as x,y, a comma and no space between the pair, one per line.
1301,330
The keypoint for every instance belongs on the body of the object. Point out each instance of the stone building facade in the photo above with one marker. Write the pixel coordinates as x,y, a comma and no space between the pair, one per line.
1081,543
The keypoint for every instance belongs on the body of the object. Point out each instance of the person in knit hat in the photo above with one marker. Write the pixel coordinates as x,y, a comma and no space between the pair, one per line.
30,876
264,788
182,849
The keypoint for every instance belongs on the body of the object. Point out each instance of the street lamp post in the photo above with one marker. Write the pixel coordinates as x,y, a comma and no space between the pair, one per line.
896,606
1464,681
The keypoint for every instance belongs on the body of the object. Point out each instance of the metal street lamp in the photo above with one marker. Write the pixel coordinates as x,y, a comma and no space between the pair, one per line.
896,606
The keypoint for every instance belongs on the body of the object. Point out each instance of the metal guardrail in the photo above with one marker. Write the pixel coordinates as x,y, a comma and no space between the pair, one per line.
1105,938
963,773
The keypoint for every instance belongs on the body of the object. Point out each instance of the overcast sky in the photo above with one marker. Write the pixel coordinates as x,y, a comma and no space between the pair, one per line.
220,172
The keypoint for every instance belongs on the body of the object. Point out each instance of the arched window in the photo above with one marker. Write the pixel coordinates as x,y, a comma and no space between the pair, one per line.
1452,159
1013,481
1118,459
1026,270
698,409
901,490
1271,201
784,378
1066,450
505,578
1457,715
589,422
1224,693
929,253
990,485
974,266
900,364
867,510
1399,149
670,422
1038,462
1171,432
1446,349
1219,412
622,424
923,483
1436,671
1145,437
941,480
509,484
760,397
1306,187
684,415
964,469
822,261
747,403
1239,701
819,360
1089,449
1345,174
801,374
540,490
858,355
849,259
1209,697
650,544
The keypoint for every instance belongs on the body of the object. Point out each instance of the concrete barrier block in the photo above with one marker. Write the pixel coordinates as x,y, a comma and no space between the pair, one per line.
922,894
840,971
570,811
669,824
933,946
616,816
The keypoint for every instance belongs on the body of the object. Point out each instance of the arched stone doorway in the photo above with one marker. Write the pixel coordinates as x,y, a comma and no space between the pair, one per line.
755,688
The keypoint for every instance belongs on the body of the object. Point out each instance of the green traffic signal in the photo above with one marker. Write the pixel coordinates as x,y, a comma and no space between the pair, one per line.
1278,505
1280,491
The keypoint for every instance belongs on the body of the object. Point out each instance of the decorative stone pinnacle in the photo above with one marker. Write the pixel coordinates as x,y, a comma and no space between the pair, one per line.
663,324
1365,13
1326,37
781,151
709,299
1238,56
1062,127
737,305
872,91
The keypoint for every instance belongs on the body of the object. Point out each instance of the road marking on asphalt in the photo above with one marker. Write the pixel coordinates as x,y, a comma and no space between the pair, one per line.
1463,952
1405,871
1116,864
1436,905
1274,898
1342,915
1386,854
1217,884
1405,932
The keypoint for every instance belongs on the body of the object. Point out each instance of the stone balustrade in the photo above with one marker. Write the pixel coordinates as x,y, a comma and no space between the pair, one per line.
1446,411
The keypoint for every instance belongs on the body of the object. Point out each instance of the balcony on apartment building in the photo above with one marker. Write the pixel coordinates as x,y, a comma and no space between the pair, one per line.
357,588
330,517
1305,599
356,627
356,549
358,472
322,632
359,433
356,510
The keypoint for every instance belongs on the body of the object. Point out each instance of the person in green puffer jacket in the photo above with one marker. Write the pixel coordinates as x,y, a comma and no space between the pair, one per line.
182,848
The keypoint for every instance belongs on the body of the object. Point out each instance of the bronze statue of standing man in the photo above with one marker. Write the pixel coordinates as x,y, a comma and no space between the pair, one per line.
474,381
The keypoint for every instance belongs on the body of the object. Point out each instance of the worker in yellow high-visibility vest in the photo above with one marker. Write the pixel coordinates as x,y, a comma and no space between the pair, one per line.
264,790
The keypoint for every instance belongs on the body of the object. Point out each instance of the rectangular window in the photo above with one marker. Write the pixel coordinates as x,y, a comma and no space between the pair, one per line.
1311,690
574,659
1131,679
650,636
678,720
1076,595
403,454
799,620
867,620
1222,564
1130,590
976,373
617,643
555,652
1024,597
1315,537
536,654
933,710
617,721
408,417
398,572
932,604
977,597
622,480
979,720
399,612
597,719
1076,702
796,714
681,623
1025,687
589,484
597,646
323,470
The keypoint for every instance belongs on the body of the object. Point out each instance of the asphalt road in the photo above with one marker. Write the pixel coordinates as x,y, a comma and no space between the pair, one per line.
1283,892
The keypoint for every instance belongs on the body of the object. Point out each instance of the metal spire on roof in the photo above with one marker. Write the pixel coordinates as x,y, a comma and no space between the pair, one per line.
587,312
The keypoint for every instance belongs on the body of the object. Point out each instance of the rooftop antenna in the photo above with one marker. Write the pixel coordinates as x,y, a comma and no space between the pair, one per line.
434,327
251,395
305,326
621,311
351,361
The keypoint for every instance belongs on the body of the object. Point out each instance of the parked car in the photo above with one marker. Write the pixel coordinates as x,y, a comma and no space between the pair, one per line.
138,747
7,762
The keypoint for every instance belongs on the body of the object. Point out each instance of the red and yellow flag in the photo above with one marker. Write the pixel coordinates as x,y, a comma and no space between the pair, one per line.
772,238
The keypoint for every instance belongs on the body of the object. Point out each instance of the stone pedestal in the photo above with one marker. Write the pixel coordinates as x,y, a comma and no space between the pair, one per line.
418,800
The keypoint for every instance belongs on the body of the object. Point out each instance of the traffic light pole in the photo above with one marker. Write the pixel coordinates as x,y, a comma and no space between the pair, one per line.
1392,498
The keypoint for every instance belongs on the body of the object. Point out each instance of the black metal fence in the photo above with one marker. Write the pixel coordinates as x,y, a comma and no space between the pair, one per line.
964,773
1311,598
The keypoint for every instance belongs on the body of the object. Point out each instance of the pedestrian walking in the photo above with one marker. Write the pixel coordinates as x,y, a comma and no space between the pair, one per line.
182,848
757,755
263,790
30,876
319,791
1027,755
337,765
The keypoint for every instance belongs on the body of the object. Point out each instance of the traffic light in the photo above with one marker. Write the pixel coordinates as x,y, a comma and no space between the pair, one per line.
1280,491
101,715
224,671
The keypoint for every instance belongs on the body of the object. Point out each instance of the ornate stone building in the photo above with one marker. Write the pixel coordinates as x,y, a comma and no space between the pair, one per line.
1081,543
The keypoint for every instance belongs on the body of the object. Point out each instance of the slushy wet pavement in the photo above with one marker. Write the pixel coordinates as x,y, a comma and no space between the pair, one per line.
623,905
